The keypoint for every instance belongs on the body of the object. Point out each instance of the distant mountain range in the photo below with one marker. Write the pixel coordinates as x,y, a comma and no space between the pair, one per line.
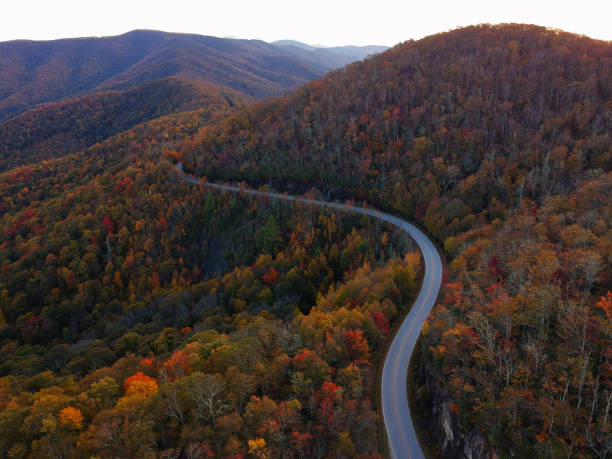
334,57
35,72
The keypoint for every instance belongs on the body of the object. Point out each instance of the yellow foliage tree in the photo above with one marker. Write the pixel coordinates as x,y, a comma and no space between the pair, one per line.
142,388
257,447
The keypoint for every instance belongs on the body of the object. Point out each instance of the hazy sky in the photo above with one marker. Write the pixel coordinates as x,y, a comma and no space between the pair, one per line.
328,22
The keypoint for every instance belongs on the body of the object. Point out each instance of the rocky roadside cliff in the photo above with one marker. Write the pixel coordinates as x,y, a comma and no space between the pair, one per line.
441,421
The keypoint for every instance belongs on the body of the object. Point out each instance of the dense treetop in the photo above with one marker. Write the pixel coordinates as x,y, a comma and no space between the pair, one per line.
129,298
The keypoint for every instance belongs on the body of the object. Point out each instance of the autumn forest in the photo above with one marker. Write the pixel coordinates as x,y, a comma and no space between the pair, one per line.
143,316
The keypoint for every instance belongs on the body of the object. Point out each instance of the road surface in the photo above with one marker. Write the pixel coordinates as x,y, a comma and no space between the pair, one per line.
402,438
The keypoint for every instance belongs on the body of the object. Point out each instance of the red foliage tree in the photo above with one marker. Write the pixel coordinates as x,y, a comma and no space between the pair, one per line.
177,365
381,321
108,223
357,345
270,277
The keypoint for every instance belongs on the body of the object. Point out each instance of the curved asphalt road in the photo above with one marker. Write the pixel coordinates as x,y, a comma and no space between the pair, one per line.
402,438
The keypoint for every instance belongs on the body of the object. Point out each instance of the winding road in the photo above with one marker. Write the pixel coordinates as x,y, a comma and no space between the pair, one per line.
403,442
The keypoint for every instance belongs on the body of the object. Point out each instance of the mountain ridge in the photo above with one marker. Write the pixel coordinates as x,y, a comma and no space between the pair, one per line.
336,56
37,72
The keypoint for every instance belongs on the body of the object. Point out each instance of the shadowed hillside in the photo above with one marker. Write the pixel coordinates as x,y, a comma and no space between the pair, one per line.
59,128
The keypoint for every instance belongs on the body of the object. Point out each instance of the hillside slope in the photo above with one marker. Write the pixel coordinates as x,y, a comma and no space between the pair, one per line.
457,98
60,128
497,139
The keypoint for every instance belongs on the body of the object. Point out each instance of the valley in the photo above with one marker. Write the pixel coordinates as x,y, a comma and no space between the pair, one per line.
403,441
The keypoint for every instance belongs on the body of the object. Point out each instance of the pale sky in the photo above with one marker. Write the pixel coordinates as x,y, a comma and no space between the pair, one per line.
327,22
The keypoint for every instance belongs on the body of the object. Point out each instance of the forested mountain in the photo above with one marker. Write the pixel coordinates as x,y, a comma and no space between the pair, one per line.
497,139
60,128
37,72
141,316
